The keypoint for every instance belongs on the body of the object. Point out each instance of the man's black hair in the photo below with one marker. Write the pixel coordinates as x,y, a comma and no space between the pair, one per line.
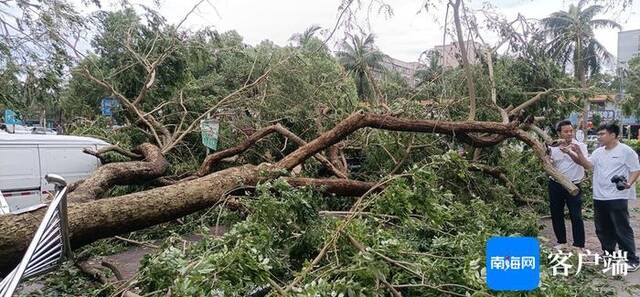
561,124
610,127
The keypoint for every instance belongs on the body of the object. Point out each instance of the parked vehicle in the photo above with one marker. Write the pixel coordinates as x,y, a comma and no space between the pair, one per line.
25,159
20,129
16,129
4,206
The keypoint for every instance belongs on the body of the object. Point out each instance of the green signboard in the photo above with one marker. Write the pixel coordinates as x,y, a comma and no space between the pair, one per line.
209,129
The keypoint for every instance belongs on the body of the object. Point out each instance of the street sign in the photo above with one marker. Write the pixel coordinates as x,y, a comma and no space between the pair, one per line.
11,118
107,106
209,129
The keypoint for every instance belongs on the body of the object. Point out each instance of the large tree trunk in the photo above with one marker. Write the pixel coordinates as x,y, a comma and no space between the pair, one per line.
581,75
104,218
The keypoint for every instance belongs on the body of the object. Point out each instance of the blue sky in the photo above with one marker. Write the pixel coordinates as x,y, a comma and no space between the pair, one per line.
404,36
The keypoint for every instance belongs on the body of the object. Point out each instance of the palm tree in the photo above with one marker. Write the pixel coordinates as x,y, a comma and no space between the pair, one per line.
359,55
305,37
433,69
572,39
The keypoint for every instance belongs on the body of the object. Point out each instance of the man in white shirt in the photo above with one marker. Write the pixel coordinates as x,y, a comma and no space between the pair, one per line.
611,213
559,196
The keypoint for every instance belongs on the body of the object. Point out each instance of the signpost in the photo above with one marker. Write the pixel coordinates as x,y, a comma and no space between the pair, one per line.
209,129
107,105
11,118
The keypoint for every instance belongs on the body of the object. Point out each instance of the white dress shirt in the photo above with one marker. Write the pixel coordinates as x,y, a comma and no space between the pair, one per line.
563,162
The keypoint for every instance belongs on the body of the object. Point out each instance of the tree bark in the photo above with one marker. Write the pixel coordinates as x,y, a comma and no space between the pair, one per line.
212,159
104,218
335,156
581,76
361,119
338,186
465,60
111,148
540,150
154,165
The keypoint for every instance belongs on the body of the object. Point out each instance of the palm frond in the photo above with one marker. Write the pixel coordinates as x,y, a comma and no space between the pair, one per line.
604,23
599,51
590,12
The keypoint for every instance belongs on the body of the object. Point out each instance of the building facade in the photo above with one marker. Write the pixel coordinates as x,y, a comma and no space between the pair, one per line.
606,106
406,69
628,46
451,56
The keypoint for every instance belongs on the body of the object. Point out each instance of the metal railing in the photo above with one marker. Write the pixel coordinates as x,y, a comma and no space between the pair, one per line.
50,245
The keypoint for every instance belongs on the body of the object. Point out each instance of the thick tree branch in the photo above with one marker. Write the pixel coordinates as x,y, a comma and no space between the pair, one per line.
105,218
529,102
499,174
212,159
117,215
338,186
538,96
543,135
148,119
111,148
361,119
336,157
120,173
465,59
541,152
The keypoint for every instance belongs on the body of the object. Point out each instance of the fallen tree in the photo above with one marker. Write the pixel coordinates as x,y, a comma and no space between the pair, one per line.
123,173
93,220
104,218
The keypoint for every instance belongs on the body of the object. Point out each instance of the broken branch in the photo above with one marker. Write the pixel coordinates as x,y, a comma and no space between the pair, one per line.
119,173
111,148
212,159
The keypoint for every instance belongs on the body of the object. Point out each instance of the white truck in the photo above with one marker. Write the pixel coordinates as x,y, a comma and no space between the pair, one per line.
25,159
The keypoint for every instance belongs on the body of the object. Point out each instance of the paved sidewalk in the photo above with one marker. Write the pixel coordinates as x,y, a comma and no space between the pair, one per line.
630,284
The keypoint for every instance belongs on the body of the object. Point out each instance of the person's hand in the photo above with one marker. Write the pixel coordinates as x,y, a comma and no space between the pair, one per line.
567,150
576,148
627,185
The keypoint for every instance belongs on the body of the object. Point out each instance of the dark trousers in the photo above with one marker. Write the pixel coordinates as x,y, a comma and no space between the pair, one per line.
612,226
558,197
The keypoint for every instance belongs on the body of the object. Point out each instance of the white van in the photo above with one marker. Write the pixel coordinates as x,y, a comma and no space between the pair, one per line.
4,206
26,158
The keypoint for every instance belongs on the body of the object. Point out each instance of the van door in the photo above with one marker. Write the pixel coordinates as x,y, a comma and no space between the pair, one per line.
4,206
20,176
67,161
